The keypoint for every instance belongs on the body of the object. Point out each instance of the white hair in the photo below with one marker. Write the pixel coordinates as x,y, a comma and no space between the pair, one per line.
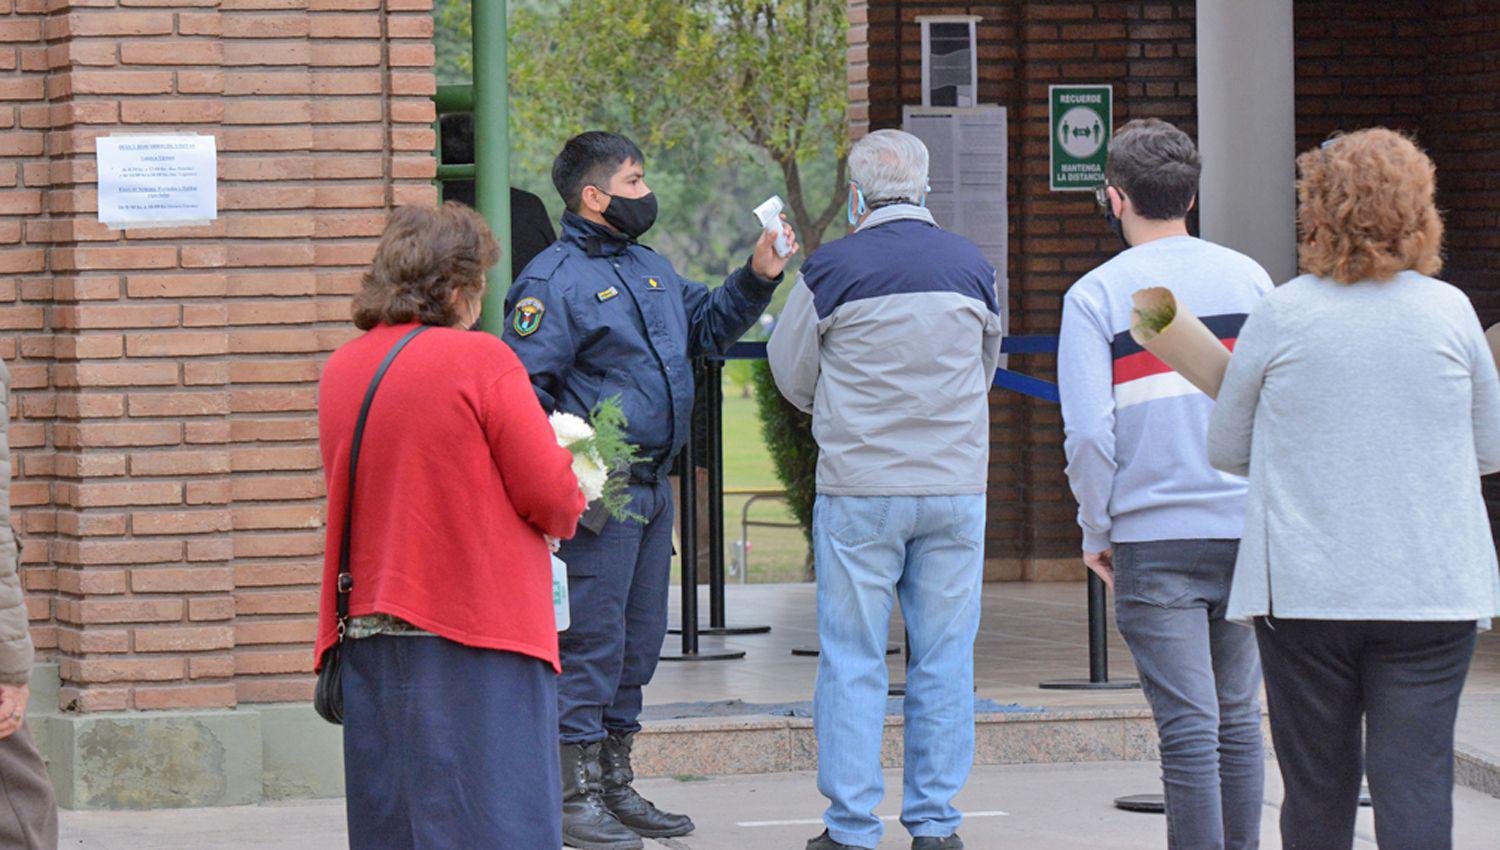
889,165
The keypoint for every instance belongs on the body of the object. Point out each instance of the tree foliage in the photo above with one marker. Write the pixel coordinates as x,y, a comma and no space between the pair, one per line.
728,98
769,73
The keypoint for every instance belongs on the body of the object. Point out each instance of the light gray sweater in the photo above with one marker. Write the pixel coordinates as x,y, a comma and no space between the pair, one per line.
1364,416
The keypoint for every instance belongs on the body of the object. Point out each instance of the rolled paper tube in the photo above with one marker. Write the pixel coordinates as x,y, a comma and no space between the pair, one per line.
1492,336
1185,343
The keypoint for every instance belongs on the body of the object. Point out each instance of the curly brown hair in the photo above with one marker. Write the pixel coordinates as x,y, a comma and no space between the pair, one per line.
424,255
1365,208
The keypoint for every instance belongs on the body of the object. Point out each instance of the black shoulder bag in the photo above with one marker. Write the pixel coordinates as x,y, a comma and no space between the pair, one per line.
328,699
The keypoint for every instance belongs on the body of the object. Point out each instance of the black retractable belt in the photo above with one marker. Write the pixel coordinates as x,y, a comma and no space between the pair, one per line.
328,698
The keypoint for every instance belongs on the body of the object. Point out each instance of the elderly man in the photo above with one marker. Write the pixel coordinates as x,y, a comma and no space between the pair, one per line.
890,339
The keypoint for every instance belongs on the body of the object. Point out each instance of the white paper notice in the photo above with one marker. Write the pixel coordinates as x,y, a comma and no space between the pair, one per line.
156,181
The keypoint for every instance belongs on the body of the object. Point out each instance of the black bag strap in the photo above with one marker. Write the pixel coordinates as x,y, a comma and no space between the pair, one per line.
346,578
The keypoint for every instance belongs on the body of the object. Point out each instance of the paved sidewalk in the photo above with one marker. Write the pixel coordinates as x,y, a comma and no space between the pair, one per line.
1035,807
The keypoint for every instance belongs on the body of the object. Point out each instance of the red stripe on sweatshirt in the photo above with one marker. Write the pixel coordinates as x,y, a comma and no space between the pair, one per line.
1144,364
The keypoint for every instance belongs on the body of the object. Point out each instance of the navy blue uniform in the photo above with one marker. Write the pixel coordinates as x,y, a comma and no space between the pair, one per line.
596,316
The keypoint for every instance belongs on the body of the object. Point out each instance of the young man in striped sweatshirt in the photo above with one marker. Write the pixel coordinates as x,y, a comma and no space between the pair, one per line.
1159,524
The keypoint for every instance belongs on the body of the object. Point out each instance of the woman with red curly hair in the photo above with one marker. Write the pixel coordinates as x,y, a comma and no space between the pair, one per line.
1363,403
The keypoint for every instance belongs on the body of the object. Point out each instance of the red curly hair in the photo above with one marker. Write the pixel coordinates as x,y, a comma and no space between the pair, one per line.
1365,208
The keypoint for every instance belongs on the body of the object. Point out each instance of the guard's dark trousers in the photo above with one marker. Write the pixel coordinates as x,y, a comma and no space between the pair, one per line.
1404,679
617,585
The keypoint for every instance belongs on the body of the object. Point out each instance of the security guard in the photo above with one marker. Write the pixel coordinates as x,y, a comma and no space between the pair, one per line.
594,316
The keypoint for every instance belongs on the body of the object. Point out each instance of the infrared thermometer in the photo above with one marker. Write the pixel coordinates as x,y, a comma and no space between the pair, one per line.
769,214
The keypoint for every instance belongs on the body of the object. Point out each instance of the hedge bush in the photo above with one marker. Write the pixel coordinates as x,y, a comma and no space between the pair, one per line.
788,435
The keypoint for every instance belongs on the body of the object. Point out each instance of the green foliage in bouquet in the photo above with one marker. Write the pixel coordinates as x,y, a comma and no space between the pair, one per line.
609,422
1156,319
794,452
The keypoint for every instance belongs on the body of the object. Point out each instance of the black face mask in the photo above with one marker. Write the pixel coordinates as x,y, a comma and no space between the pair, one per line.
1116,226
631,216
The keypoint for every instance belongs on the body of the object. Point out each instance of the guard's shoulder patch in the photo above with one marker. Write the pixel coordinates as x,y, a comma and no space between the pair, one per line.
528,317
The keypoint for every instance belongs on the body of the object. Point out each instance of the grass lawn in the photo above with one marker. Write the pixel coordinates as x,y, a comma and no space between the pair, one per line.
776,554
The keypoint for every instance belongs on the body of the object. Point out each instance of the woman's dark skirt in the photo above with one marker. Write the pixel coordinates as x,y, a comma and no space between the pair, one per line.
447,746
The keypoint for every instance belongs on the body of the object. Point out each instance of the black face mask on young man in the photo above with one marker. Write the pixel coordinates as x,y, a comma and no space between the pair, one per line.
631,216
1116,226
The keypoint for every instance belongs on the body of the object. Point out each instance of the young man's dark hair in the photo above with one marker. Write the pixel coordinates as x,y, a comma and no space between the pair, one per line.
590,159
1156,165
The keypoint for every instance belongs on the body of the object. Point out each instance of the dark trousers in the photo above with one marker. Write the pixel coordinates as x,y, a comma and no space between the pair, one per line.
447,747
617,587
1404,679
28,812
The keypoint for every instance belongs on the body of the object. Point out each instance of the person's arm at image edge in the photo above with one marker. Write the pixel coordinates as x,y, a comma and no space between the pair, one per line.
1486,401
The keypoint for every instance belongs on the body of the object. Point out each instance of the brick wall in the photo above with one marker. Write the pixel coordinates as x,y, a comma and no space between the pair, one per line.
1462,130
168,482
1147,51
1426,66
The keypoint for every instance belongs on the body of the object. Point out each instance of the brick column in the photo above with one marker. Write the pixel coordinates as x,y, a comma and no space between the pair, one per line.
141,552
167,472
26,342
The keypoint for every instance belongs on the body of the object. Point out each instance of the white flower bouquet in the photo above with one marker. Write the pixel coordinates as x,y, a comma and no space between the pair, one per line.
599,449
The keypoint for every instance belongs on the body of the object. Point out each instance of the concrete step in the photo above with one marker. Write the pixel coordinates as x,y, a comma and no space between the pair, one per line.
754,744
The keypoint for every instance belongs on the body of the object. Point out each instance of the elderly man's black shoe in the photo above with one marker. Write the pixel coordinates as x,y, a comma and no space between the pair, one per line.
826,842
927,842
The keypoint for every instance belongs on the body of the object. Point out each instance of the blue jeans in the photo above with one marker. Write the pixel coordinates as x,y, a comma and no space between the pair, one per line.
1201,675
929,551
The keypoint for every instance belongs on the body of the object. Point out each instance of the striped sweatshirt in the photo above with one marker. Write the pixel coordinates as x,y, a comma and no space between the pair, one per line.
1136,430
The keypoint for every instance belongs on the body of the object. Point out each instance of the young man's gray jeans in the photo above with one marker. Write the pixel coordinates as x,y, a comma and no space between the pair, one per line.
1201,675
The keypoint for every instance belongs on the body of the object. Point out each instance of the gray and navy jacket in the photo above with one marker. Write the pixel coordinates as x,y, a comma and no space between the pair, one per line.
890,338
597,315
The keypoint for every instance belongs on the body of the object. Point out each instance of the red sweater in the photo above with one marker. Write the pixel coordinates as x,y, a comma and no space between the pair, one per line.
459,477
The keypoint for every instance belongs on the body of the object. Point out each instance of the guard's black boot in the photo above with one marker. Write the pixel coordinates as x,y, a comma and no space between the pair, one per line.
587,822
631,808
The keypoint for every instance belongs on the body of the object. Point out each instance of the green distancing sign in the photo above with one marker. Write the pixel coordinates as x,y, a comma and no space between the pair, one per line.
1080,120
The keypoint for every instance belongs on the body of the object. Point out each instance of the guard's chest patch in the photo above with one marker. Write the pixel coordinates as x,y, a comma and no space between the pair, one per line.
605,295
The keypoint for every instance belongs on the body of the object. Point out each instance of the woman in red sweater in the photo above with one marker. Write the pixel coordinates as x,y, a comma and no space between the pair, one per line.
450,654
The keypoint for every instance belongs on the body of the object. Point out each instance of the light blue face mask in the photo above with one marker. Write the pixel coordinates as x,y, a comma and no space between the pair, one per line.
856,207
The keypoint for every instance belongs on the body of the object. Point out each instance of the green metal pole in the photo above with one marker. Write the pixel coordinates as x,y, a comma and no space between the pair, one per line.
492,145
